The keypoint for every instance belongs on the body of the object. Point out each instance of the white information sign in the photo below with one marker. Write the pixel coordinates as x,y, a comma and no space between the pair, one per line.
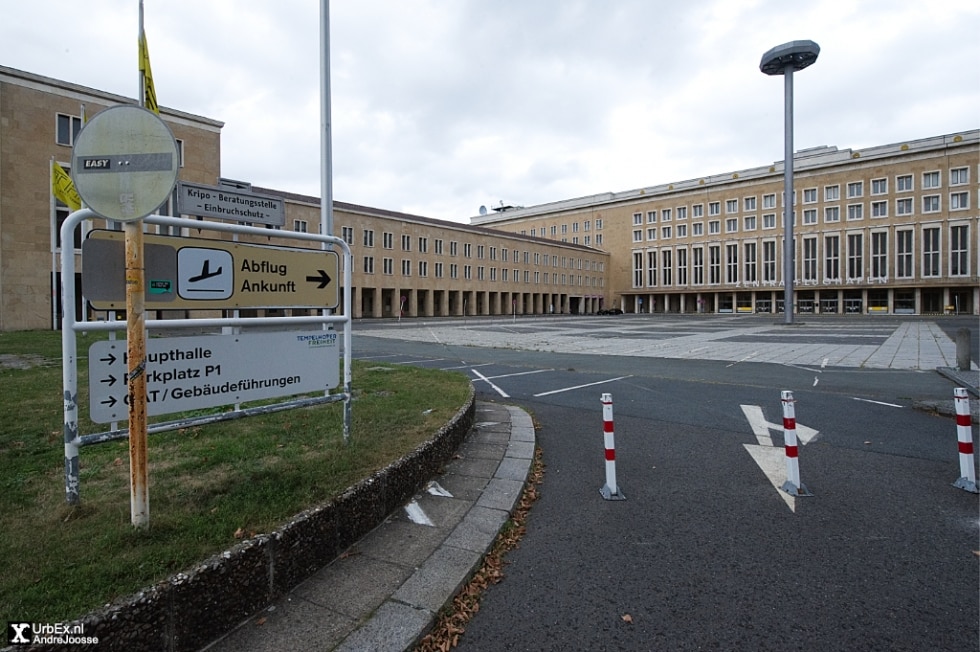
191,373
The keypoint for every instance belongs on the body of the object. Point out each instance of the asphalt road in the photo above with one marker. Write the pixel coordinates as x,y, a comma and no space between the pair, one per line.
706,552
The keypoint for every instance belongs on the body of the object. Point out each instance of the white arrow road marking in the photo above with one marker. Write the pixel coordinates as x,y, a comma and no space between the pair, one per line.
416,515
772,461
770,458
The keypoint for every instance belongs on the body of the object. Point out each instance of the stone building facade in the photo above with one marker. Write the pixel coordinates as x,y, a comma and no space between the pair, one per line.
888,229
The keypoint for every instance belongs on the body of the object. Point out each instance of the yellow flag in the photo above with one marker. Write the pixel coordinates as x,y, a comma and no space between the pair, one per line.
149,92
63,187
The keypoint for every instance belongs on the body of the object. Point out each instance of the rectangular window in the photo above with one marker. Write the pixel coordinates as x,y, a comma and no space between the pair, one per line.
903,206
406,267
879,186
439,271
879,209
731,263
637,235
300,226
748,204
652,233
731,206
748,223
697,228
67,128
666,267
831,257
697,265
714,208
368,238
438,245
347,233
714,264
809,195
714,226
406,243
769,261
930,204
651,217
930,251
682,230
369,264
904,258
453,270
664,215
681,214
453,248
682,267
903,183
879,255
652,268
855,189
697,211
731,225
750,263
930,180
665,232
959,176
388,266
423,268
831,193
480,251
959,245
637,269
855,255
809,259
855,211
769,201
831,214
637,219
810,216
769,221
387,240
467,250
959,201
423,245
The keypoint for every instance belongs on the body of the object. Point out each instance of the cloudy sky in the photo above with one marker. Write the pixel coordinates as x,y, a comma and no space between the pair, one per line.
441,106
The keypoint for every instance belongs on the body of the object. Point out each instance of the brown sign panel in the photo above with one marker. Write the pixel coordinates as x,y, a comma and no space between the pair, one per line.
199,273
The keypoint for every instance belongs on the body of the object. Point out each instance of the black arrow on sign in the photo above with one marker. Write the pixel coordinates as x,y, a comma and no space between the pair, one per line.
111,359
112,401
323,279
111,380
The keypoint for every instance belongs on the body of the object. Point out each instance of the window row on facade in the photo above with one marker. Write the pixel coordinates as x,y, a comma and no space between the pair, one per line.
923,253
440,270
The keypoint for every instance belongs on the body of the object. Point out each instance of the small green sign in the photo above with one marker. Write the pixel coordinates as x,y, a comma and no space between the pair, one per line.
161,287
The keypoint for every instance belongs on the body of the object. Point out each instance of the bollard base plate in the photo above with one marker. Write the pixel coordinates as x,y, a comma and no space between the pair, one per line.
793,490
967,485
609,495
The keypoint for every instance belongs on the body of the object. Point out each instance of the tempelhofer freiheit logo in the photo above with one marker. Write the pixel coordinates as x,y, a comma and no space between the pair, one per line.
21,633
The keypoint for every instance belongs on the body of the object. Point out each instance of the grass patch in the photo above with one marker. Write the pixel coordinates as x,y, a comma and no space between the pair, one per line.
209,485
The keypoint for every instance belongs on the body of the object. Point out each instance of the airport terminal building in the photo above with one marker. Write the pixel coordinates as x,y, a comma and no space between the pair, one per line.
890,229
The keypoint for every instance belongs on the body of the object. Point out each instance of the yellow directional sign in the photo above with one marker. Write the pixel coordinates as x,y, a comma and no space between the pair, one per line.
199,273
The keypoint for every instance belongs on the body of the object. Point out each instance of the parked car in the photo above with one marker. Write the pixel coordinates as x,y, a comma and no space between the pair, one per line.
610,311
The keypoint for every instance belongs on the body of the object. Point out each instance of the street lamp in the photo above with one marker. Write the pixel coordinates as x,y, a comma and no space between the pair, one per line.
784,60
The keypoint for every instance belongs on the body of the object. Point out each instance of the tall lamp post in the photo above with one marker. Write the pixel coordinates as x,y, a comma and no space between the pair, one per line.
784,60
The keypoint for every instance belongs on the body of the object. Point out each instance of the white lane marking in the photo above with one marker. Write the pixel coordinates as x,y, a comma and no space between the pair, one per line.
489,382
824,363
815,381
522,373
868,400
467,366
416,515
748,357
418,361
757,421
568,389
434,336
436,489
376,357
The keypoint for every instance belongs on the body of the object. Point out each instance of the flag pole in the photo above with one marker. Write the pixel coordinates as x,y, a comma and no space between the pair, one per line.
139,503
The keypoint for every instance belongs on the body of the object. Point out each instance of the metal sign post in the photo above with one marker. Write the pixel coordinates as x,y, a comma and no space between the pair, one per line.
124,164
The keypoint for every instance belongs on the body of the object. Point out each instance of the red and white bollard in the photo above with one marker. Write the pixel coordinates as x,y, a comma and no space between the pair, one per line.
792,486
964,435
611,490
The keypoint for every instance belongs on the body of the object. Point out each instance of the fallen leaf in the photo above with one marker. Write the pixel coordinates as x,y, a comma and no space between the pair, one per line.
117,461
260,621
627,618
239,533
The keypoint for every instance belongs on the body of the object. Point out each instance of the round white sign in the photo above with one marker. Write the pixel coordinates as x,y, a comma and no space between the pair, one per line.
124,163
